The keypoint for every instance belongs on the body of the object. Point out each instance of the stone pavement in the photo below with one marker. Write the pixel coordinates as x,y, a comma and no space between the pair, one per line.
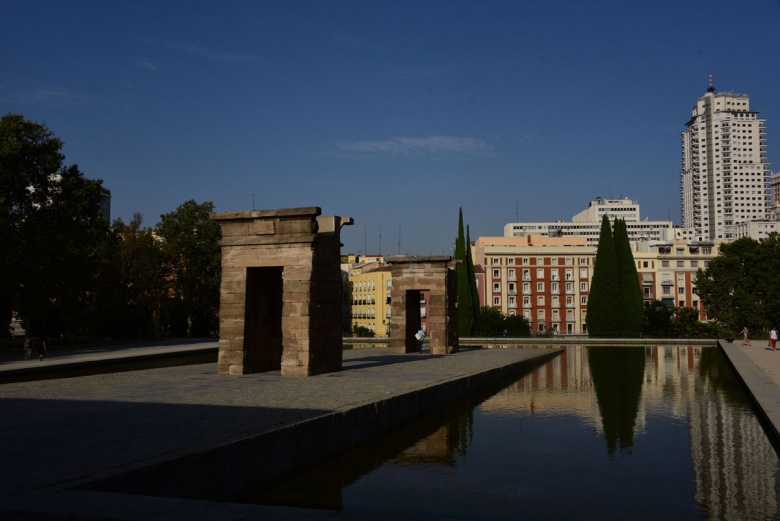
759,369
178,427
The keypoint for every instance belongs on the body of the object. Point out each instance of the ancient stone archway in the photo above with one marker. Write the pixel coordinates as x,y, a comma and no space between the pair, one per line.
412,275
280,300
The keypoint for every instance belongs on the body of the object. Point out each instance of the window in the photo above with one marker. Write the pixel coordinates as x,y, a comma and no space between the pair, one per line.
540,286
496,274
584,273
540,300
539,274
583,300
680,264
496,261
664,264
511,261
694,264
667,290
496,287
525,261
583,286
496,301
681,291
569,287
645,264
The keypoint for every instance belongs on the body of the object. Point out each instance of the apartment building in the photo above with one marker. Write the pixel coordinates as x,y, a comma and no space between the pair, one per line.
369,286
725,173
544,279
667,270
587,223
547,279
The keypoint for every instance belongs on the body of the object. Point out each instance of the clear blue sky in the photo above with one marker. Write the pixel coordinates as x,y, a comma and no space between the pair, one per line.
395,113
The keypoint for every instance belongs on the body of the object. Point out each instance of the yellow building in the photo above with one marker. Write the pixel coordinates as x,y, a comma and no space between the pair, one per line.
369,286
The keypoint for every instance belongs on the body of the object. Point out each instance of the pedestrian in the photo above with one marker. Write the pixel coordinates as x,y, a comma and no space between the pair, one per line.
40,346
420,336
28,347
773,337
745,336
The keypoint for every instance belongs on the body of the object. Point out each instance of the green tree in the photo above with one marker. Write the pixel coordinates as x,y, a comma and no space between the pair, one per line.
736,289
192,258
134,287
657,319
631,300
53,230
467,309
475,304
603,317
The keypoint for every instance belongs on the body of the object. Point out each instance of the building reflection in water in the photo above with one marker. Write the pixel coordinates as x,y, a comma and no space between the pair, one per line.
735,466
689,393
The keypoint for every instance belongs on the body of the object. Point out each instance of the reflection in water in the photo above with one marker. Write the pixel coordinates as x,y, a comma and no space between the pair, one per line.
681,443
617,378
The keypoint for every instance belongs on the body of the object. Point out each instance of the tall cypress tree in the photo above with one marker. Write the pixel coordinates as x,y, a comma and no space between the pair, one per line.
475,306
604,300
631,301
465,305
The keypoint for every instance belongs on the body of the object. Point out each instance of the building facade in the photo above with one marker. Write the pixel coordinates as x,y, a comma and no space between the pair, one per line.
725,173
587,223
547,280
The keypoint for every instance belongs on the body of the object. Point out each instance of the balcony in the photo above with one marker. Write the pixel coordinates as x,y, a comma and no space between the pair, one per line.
512,305
526,278
511,292
527,305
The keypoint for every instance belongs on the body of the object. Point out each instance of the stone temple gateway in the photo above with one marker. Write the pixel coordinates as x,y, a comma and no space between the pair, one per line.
280,303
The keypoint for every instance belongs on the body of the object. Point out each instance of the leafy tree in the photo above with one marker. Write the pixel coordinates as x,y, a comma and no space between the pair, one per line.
737,288
657,319
192,258
493,323
631,300
603,303
135,287
53,230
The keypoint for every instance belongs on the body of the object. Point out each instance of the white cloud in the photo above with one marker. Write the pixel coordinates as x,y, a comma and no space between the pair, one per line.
432,147
201,52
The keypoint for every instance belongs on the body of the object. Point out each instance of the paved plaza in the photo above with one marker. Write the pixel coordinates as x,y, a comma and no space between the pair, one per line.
62,434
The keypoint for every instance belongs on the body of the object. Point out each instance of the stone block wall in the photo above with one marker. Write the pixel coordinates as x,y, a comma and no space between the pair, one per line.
410,276
280,303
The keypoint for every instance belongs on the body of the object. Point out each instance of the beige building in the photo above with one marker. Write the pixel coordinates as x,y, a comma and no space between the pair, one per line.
544,279
587,223
725,173
547,279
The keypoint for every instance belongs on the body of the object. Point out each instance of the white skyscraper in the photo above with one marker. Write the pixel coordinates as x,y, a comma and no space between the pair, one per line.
725,175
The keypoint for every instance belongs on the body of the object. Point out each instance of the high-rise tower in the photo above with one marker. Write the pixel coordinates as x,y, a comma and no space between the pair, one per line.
725,175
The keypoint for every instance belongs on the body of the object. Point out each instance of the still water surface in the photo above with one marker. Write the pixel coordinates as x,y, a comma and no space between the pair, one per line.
597,433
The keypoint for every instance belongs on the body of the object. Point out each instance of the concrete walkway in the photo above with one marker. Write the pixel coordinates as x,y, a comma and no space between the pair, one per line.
90,447
759,369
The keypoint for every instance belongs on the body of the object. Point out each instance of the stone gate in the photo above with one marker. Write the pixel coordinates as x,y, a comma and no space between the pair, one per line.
412,275
280,298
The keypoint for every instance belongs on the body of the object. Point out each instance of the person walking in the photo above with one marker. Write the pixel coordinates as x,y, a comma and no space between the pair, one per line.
420,336
28,347
745,336
40,346
773,337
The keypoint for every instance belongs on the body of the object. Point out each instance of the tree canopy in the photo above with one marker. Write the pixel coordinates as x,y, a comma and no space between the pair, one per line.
53,229
737,287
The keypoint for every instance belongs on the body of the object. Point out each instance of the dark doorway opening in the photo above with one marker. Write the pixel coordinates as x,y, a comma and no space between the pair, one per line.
263,320
413,321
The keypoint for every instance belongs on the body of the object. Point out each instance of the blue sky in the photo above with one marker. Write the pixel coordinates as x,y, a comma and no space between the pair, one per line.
394,113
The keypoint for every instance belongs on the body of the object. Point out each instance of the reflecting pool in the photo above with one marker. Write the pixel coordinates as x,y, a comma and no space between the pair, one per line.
597,433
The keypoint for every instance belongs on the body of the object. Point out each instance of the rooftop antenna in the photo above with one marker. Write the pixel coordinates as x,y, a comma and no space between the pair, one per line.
253,200
517,210
711,88
399,240
380,240
365,238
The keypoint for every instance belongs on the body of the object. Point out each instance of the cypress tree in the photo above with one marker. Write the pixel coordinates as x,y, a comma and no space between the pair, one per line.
631,301
465,308
604,300
475,305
